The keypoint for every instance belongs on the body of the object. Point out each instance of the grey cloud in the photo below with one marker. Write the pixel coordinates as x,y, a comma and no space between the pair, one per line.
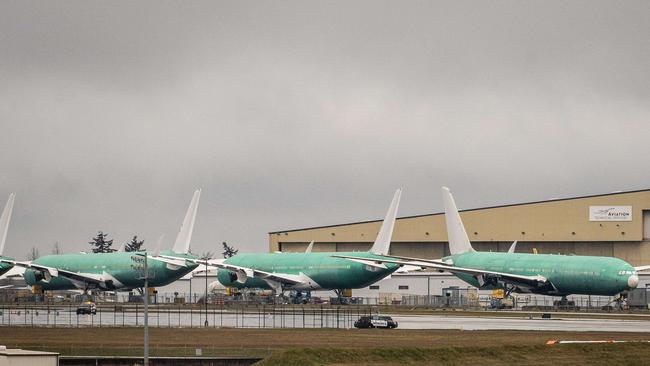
293,114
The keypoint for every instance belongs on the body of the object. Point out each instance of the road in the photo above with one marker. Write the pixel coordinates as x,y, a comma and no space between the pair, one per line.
313,318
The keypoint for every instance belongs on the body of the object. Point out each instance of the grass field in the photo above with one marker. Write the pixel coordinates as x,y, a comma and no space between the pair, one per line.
340,347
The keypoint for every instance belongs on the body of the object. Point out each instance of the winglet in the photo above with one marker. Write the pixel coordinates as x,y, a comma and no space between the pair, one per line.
513,246
182,243
310,247
4,221
457,236
382,243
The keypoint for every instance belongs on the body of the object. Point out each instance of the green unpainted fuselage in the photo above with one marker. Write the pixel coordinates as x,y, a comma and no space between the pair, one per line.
580,275
325,271
119,268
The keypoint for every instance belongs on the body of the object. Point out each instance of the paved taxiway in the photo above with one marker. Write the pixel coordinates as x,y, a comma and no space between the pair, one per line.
524,323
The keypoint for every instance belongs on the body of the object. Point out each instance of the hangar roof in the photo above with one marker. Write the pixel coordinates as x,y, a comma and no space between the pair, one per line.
466,210
565,219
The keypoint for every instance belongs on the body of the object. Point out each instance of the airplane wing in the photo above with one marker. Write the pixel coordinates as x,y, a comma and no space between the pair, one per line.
251,272
274,279
642,268
483,276
79,279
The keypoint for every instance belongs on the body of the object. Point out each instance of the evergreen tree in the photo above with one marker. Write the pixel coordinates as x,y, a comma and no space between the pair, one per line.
101,244
134,245
228,251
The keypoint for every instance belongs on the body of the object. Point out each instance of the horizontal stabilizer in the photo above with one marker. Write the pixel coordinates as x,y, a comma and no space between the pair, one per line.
642,268
367,262
173,261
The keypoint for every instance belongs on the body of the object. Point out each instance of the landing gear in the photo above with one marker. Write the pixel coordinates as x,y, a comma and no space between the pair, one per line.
621,301
87,295
339,296
564,304
508,289
300,297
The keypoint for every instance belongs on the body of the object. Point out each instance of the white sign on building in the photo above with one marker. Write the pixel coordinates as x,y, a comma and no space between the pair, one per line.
610,213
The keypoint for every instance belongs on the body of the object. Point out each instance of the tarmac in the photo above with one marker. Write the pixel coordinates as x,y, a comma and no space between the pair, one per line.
523,323
317,318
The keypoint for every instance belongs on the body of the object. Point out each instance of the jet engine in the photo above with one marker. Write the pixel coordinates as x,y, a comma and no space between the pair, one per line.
41,275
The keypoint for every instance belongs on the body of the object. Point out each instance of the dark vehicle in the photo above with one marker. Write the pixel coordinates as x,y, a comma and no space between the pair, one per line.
87,308
375,321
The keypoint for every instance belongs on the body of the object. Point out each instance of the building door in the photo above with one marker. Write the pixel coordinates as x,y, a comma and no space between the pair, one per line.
646,224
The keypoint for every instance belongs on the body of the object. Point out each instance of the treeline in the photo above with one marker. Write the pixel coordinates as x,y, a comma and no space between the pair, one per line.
102,244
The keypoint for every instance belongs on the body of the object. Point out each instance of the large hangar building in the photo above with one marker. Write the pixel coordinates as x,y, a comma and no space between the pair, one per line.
614,224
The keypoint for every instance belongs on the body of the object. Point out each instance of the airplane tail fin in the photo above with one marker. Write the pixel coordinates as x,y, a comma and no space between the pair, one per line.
458,240
513,247
4,221
158,248
382,243
182,243
310,247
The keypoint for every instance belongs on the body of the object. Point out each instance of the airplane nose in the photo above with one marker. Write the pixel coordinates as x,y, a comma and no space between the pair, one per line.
633,281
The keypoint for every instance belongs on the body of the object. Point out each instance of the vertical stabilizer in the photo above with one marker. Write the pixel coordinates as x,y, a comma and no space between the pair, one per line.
382,243
310,247
158,248
458,240
4,221
513,247
182,243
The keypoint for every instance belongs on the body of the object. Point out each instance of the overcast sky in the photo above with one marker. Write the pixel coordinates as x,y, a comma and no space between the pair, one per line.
295,114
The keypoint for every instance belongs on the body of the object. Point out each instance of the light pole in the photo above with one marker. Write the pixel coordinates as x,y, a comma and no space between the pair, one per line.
206,257
429,289
141,260
205,299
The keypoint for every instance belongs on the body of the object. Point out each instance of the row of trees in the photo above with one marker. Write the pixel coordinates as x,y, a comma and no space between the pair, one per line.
101,244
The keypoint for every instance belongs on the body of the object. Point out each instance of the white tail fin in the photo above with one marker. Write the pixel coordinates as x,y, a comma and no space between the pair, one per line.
458,240
4,221
513,247
310,247
182,243
158,248
382,243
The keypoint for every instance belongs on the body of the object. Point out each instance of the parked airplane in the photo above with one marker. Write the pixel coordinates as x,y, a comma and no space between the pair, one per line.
546,274
114,271
4,228
309,270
